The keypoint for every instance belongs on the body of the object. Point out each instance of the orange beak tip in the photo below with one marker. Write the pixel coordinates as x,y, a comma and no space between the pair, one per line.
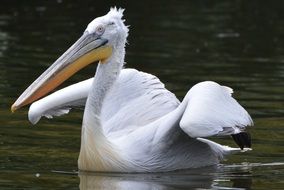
13,108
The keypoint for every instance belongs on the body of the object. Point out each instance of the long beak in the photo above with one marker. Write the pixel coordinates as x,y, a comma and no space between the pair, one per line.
87,49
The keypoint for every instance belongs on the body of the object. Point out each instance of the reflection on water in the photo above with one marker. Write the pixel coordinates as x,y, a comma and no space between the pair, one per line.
236,43
190,179
222,177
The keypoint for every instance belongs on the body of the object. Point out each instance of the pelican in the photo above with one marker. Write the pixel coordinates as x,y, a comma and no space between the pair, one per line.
131,122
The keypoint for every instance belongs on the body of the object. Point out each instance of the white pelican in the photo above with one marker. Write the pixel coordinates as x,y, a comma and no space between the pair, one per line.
131,122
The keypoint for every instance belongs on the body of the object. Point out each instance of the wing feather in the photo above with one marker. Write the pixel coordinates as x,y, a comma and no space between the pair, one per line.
135,99
60,102
211,110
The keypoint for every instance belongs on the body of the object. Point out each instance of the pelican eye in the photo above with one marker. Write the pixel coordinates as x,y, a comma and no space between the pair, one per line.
100,30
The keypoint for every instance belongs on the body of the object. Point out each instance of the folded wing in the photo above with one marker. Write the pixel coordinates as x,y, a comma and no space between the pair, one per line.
60,102
212,111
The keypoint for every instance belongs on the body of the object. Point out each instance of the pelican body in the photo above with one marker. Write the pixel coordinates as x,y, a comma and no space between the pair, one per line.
131,122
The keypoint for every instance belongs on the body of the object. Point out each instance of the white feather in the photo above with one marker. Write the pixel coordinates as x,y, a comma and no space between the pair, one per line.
132,123
139,112
136,99
60,102
211,110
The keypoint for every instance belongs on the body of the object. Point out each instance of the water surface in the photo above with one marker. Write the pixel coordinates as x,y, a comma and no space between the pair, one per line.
236,43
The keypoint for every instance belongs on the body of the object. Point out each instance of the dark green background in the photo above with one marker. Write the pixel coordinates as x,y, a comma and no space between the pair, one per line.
236,43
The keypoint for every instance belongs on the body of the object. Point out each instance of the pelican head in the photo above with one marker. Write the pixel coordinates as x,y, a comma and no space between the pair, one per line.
101,37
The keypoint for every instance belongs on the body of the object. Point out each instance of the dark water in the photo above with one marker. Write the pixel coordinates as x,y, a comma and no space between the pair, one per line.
236,43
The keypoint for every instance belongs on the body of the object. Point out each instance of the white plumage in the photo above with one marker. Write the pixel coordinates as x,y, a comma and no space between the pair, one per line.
140,115
212,111
132,123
